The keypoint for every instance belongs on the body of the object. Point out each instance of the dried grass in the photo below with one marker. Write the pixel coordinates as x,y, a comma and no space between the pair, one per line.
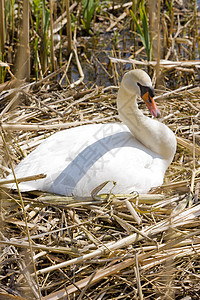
100,247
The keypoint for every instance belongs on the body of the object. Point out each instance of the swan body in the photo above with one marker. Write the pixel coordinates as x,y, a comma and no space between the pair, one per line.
135,154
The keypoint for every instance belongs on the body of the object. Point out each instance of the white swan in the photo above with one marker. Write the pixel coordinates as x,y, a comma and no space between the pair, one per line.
135,154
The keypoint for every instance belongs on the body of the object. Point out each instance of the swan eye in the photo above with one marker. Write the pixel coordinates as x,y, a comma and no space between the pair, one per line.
151,91
146,89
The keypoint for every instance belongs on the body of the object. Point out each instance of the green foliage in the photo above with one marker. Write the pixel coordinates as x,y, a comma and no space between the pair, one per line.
10,16
46,17
170,7
73,21
42,17
140,3
36,11
36,4
103,5
116,39
144,30
89,8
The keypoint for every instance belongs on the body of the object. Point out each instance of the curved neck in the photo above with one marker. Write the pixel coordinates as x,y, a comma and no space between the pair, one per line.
152,134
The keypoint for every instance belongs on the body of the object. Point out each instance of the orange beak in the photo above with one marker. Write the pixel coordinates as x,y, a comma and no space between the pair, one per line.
150,103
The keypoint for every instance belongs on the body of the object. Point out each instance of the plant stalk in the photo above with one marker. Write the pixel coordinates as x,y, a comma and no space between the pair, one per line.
69,31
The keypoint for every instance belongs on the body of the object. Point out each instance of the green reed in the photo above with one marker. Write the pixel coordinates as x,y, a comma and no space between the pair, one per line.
143,30
89,7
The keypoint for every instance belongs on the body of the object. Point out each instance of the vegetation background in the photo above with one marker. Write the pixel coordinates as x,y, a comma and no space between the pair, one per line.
36,38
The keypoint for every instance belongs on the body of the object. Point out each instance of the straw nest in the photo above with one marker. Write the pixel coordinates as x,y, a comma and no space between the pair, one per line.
105,246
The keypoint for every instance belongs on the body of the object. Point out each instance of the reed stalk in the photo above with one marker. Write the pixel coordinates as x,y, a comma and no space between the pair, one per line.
158,46
25,39
2,27
44,41
23,60
69,30
52,43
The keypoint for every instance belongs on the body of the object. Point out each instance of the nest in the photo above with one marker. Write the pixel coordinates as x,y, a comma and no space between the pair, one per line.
103,246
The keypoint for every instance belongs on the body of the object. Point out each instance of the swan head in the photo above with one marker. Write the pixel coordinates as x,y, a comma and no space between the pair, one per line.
138,83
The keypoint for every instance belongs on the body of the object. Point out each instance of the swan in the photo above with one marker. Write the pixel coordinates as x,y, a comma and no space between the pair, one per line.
135,153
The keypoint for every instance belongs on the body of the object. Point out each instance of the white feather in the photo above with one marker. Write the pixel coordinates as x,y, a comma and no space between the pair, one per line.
79,159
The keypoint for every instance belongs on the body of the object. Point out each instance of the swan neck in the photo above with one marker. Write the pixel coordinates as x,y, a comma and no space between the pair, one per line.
128,109
154,135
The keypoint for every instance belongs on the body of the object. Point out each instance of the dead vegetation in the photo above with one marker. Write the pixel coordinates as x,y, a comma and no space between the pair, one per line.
104,246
